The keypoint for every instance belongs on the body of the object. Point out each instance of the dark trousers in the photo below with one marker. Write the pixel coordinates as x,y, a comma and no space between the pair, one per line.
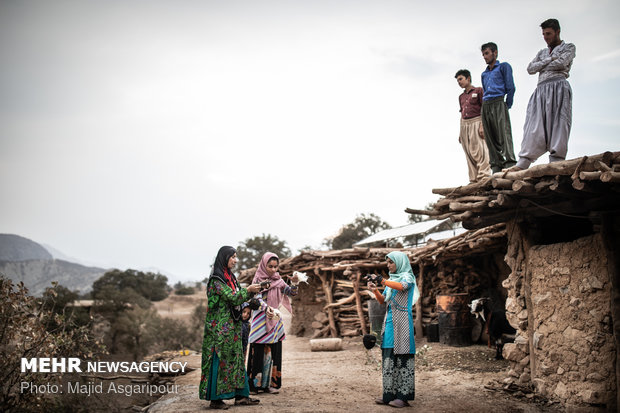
498,134
265,362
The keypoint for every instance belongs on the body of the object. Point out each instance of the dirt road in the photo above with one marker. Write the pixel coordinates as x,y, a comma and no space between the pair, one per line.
448,379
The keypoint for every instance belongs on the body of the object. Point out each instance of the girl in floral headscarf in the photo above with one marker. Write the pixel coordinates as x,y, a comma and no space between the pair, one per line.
267,329
398,346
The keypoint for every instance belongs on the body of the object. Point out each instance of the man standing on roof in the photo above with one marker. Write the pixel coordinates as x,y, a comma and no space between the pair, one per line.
471,136
549,112
497,82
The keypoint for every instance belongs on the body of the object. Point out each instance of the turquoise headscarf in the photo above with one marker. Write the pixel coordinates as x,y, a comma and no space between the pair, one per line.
404,273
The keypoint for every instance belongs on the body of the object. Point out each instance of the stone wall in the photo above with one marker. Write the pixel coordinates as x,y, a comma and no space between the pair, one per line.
559,298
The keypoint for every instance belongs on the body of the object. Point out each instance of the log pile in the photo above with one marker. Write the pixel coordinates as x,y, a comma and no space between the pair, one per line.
576,186
335,302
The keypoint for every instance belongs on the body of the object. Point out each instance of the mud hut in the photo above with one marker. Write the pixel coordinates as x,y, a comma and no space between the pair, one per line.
563,250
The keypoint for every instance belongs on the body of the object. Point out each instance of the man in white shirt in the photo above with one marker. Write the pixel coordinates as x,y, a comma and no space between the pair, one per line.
549,112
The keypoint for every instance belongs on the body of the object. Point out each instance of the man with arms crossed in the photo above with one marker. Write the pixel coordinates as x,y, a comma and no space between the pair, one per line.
497,82
549,112
471,136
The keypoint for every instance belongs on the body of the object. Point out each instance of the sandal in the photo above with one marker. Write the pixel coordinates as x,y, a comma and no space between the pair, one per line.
272,390
398,403
218,404
246,401
379,400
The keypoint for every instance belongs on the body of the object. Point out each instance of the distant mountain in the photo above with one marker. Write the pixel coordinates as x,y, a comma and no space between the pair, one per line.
16,248
37,275
24,260
57,255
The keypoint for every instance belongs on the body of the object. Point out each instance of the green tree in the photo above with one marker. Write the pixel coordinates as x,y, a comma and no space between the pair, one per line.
177,335
251,250
153,287
362,227
184,291
59,299
136,328
117,292
112,304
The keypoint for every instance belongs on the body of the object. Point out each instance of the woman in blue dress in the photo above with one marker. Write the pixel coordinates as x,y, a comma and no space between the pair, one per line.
398,345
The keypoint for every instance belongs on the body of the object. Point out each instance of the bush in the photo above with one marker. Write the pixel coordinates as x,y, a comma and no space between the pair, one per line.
184,291
30,328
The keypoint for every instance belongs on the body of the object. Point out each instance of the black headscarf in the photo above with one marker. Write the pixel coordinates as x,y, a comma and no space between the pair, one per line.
221,272
220,268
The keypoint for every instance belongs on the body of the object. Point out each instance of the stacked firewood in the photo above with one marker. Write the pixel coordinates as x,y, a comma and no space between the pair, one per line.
337,291
573,186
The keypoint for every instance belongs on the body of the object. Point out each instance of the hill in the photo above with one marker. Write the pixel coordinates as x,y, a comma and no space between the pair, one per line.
37,275
16,248
24,260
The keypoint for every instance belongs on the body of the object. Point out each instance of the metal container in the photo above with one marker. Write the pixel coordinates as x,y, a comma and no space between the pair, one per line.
454,319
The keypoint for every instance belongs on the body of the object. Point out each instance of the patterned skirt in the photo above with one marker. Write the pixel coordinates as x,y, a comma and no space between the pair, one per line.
398,376
265,366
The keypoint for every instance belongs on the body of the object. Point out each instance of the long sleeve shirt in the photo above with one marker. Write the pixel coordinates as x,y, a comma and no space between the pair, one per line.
498,82
553,64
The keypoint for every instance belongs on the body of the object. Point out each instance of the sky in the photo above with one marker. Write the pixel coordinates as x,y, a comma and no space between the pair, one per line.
147,134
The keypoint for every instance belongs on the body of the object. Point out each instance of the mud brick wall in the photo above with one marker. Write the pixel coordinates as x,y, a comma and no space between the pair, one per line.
568,325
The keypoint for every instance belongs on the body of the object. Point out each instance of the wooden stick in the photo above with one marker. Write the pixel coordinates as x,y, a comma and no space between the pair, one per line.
340,302
358,302
422,211
544,184
418,305
603,167
610,176
575,174
463,190
562,167
506,201
469,206
523,187
327,289
590,176
501,183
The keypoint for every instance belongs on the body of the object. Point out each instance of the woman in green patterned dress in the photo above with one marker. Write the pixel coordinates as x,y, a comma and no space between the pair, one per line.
223,371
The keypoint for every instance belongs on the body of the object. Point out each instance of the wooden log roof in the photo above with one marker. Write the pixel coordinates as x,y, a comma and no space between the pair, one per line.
581,187
478,242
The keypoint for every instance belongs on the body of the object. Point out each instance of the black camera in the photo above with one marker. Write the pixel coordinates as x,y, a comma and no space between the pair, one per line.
374,278
254,304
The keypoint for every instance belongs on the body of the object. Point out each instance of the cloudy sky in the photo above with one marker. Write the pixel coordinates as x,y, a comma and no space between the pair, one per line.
149,133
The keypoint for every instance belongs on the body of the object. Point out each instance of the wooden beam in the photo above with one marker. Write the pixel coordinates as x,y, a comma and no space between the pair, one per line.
327,290
358,302
610,176
418,306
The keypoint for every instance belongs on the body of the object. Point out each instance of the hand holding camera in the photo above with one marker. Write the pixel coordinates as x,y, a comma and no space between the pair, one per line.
374,278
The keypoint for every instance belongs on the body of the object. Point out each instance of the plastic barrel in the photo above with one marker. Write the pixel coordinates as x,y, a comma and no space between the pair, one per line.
454,319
